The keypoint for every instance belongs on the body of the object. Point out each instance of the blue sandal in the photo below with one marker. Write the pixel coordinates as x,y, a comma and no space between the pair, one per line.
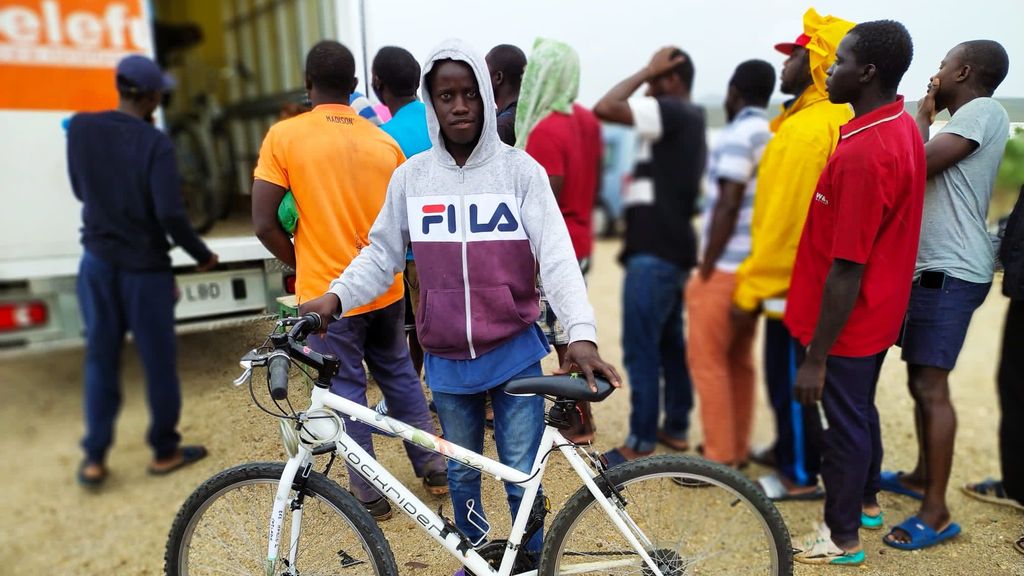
921,535
869,522
890,482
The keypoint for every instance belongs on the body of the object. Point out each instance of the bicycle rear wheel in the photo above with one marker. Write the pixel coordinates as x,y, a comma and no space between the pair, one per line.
223,529
698,518
198,184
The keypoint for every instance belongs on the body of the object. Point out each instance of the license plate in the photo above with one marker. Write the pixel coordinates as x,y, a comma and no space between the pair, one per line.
215,293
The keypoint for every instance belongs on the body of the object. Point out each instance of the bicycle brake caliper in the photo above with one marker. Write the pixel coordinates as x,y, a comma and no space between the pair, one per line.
600,463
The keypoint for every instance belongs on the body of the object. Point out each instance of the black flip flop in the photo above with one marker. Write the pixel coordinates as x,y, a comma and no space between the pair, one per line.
89,482
776,491
189,454
763,456
741,466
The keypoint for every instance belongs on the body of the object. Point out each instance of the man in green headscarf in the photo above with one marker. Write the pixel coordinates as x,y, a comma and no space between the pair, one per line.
565,138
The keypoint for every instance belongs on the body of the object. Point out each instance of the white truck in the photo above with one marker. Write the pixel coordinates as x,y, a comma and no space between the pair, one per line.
56,58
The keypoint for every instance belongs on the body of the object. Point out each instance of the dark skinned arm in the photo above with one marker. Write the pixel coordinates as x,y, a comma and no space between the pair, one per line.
946,149
837,301
723,223
614,106
926,110
266,197
557,182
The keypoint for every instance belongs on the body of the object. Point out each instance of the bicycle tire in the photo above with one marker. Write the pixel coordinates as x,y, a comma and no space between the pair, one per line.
197,181
699,476
247,541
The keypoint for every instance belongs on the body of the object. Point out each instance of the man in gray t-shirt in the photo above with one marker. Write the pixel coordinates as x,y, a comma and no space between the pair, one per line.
954,233
954,269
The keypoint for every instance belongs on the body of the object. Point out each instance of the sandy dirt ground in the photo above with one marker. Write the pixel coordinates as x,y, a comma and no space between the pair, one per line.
51,526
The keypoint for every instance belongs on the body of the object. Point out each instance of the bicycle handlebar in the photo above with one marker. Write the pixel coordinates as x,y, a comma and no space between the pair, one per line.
303,326
286,347
278,368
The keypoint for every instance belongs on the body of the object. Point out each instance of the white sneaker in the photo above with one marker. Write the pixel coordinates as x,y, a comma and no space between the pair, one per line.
817,547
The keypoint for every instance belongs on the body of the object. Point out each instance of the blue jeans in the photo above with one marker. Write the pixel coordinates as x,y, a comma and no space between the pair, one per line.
518,428
113,301
937,320
654,350
379,338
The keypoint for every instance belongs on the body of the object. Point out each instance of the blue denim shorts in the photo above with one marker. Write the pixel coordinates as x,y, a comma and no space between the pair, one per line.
937,318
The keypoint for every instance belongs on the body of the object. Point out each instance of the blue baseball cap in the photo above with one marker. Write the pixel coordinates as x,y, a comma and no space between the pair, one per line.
143,74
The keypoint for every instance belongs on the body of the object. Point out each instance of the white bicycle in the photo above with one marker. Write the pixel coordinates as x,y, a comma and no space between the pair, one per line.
658,516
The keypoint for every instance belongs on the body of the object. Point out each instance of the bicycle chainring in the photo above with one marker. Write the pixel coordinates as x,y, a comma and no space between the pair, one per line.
669,563
492,552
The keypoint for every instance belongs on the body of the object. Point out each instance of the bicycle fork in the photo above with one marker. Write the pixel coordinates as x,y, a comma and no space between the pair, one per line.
281,501
626,526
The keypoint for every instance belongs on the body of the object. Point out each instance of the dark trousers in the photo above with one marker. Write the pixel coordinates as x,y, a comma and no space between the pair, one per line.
796,427
379,338
113,301
851,448
654,351
1011,402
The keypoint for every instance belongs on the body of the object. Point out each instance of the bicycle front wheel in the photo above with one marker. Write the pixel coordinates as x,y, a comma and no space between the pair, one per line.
692,516
223,528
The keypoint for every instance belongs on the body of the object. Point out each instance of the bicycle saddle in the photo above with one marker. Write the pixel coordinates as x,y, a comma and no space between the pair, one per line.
572,386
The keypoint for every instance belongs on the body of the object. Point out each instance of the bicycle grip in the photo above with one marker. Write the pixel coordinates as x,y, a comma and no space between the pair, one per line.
278,367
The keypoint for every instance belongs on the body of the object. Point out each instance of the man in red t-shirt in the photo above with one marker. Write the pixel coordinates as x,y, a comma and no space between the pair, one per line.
564,138
852,277
569,148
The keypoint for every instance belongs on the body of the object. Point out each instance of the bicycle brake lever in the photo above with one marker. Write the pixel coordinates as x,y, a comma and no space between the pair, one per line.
248,362
246,375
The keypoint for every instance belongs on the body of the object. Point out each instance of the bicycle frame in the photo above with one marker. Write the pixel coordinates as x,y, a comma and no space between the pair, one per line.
367,467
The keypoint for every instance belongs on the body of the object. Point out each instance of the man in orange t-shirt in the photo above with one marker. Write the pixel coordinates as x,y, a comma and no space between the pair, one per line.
338,165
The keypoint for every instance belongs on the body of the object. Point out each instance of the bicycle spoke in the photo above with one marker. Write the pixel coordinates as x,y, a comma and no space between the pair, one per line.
229,567
223,541
705,525
245,534
717,538
603,566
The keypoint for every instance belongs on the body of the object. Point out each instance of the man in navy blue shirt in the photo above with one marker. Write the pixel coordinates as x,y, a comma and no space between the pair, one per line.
123,170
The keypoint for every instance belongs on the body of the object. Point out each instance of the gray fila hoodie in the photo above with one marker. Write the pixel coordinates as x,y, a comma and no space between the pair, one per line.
478,233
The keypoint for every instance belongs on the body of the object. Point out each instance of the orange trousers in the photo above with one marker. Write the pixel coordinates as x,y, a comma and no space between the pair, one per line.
721,365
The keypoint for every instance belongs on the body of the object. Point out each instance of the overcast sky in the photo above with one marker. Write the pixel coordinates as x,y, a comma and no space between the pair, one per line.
616,37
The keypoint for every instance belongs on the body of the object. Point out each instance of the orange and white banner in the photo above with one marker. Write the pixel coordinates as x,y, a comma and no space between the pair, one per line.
61,54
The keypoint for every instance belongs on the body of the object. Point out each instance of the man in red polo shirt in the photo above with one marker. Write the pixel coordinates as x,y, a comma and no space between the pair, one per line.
852,277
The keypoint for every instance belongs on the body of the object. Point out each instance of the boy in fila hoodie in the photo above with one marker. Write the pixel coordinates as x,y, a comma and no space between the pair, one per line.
481,217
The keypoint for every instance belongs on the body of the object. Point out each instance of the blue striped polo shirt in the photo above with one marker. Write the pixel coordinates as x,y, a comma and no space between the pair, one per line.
735,156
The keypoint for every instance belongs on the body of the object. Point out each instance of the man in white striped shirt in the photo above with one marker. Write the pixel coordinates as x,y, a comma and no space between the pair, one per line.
721,361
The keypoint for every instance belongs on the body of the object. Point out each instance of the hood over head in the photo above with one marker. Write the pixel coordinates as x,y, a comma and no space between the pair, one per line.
825,33
821,38
489,143
551,83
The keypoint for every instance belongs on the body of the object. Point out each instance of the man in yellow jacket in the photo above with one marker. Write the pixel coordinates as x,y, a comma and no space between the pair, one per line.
806,133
